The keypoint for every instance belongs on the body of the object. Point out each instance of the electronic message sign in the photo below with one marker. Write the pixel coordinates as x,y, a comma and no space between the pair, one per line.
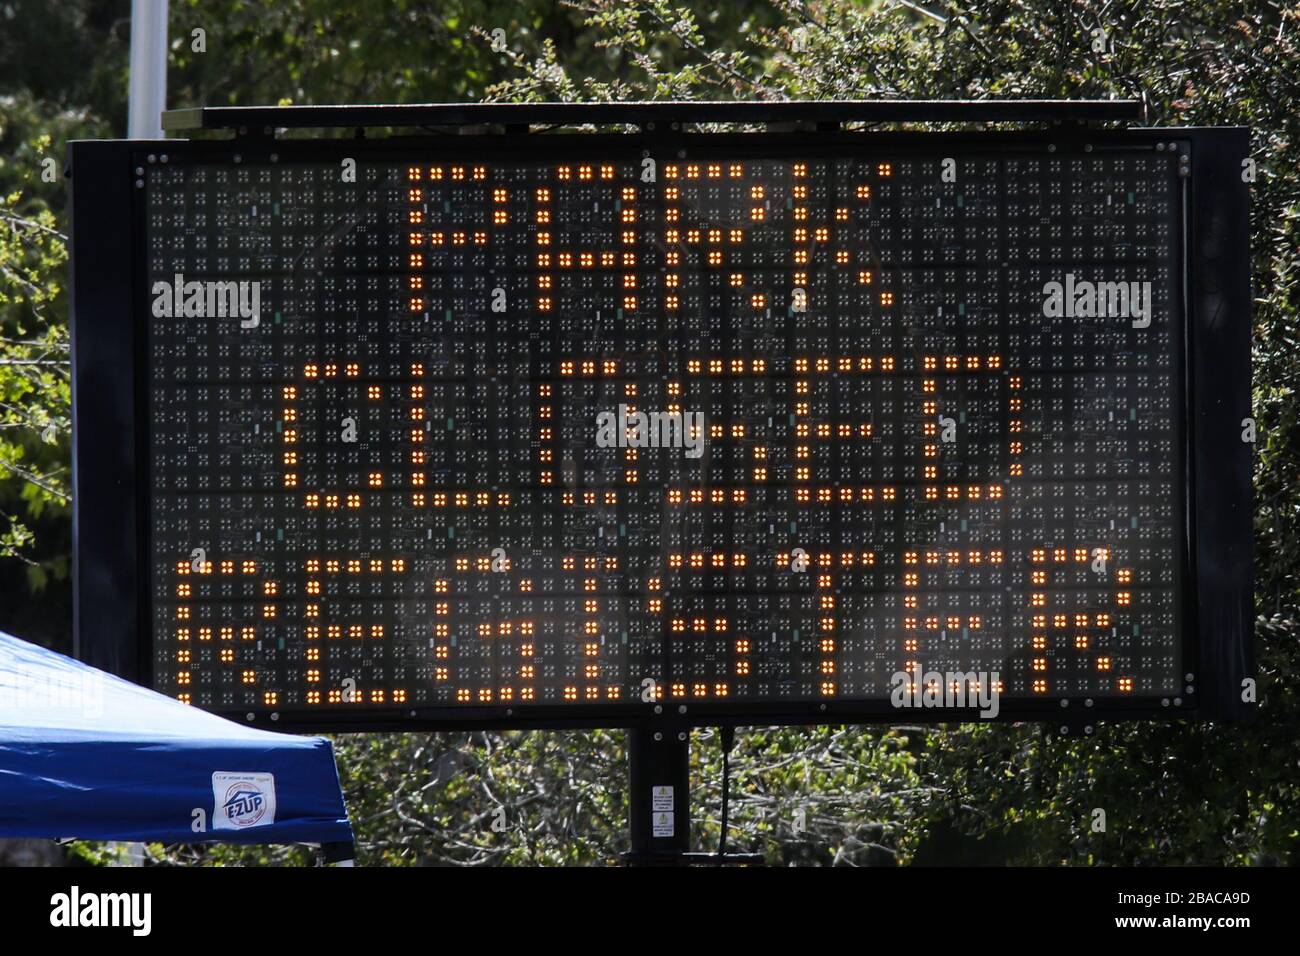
585,429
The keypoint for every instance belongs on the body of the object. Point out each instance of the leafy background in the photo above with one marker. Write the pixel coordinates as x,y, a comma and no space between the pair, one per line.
1005,794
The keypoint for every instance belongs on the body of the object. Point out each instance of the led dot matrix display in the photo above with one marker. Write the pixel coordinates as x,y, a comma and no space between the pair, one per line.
389,491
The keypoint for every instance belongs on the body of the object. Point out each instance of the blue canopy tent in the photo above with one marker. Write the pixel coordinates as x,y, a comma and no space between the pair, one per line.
86,755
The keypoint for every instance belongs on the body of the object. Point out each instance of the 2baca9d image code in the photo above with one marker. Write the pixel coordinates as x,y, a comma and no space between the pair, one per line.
611,429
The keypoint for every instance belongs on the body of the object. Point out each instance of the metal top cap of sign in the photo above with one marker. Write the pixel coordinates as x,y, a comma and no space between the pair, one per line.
648,113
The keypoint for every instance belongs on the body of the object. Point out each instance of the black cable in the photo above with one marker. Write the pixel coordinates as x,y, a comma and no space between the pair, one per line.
728,741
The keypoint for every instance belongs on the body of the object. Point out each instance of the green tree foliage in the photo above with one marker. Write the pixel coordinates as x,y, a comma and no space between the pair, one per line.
1171,793
33,365
401,51
34,381
53,87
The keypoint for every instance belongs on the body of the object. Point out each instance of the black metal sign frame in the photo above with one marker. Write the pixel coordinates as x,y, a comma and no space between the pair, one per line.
110,462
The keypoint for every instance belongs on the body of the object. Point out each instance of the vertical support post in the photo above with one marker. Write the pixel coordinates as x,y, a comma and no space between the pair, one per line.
659,802
147,92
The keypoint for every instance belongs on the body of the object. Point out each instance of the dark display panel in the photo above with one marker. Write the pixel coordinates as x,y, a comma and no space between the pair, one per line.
388,480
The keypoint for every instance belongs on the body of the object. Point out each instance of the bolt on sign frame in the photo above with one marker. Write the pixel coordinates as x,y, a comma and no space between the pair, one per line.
492,426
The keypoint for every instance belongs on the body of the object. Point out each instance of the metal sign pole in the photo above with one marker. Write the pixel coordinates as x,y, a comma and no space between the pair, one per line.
148,85
659,805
